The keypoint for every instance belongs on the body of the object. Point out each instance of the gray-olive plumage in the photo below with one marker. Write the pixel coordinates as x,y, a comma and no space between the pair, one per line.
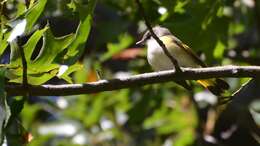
181,52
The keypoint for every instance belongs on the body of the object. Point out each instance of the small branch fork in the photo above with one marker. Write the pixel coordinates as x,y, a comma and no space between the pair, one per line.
134,81
173,60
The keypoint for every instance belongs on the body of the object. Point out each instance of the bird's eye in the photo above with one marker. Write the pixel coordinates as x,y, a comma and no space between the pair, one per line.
149,36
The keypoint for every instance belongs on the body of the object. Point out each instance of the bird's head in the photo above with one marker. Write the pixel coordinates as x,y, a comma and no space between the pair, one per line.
158,31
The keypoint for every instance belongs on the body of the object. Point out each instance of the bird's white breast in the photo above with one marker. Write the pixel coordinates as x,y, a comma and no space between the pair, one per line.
160,61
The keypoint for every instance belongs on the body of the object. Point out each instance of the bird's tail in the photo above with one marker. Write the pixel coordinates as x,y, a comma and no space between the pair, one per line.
215,86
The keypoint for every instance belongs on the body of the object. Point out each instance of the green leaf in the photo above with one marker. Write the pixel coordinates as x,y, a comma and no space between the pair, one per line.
236,28
28,113
25,23
72,5
4,108
21,8
37,79
43,68
185,137
77,46
179,7
32,42
3,41
70,70
124,40
51,47
219,50
220,11
16,71
96,111
80,76
34,13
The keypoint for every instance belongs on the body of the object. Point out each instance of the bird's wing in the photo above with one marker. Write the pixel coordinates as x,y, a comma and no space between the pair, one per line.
190,52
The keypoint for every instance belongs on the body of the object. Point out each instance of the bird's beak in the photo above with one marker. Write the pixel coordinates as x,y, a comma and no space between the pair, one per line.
141,42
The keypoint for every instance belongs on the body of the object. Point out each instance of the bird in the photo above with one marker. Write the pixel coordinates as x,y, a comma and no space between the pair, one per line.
184,55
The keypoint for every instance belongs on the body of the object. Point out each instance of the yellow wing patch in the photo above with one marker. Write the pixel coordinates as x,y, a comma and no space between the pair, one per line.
206,83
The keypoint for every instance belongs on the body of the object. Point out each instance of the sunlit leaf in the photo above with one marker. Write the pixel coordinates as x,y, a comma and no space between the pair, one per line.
76,48
96,111
124,41
219,50
185,137
220,11
179,7
28,114
32,42
25,24
51,47
33,14
3,40
236,28
21,8
37,79
70,70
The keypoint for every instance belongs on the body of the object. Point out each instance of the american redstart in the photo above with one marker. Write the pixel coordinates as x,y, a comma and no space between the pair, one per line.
181,52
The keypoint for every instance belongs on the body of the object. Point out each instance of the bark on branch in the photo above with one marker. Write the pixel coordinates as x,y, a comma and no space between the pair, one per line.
136,80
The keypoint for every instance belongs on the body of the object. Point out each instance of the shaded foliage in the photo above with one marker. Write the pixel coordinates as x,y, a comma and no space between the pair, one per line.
78,41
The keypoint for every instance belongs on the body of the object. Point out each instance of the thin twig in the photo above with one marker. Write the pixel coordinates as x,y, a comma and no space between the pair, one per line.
136,80
173,60
24,62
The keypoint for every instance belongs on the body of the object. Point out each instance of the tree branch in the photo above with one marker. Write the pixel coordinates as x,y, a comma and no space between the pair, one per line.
135,81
